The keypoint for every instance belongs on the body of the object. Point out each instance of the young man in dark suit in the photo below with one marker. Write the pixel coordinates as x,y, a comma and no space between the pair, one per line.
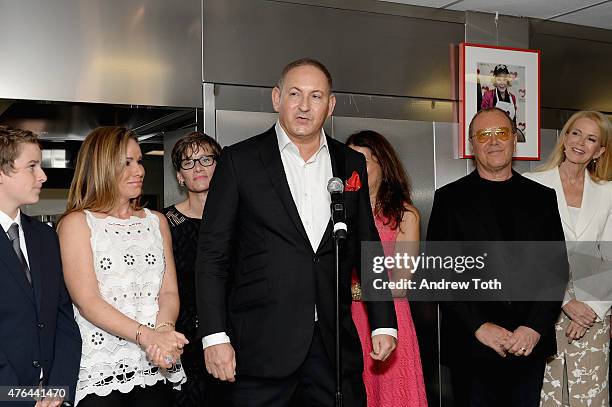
266,238
40,343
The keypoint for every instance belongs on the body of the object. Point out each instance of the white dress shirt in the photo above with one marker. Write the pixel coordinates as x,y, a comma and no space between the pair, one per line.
6,223
308,185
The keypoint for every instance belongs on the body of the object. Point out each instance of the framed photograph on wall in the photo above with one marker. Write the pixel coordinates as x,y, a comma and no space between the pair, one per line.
507,78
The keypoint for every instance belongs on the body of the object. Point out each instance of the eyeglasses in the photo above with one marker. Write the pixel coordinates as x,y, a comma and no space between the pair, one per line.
500,66
501,134
205,161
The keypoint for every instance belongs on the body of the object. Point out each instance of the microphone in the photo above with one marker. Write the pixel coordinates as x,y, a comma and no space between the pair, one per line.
335,187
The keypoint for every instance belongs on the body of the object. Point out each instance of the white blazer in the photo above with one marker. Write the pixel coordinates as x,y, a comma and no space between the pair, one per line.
594,224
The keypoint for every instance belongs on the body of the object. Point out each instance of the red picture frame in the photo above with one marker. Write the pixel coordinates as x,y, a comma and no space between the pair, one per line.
510,78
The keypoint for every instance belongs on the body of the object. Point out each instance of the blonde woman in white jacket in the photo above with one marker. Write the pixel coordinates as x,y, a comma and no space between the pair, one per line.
578,170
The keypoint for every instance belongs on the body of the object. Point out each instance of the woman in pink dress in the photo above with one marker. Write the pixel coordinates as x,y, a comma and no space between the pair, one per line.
399,380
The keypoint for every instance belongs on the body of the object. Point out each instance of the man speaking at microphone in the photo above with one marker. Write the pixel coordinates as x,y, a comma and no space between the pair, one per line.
265,264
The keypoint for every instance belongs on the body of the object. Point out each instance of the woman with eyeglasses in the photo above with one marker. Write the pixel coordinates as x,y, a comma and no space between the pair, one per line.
579,171
194,158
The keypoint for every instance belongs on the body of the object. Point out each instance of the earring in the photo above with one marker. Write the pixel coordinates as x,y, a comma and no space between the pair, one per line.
182,182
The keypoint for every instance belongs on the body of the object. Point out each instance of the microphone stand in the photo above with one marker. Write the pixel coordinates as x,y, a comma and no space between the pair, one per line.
337,240
335,187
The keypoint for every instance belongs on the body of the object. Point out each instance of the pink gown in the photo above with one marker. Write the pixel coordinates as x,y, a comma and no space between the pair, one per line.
398,381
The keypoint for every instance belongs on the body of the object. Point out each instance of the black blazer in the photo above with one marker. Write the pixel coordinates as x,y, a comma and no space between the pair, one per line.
461,213
257,276
38,330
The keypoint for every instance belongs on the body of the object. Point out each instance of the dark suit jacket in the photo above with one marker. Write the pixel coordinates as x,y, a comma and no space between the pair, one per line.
257,276
462,213
38,330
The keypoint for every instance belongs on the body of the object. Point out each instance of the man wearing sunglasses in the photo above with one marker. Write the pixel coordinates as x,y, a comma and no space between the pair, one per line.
496,350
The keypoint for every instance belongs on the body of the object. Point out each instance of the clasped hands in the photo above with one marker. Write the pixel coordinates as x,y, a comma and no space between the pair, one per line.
521,342
163,346
582,318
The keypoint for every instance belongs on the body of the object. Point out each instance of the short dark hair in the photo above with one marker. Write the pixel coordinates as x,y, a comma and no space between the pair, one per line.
10,146
305,62
193,141
491,109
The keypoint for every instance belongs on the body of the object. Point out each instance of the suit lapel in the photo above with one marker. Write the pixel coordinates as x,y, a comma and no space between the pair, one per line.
34,246
591,196
9,258
338,162
272,163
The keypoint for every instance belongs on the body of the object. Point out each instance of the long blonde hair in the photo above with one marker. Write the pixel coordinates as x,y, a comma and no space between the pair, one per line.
100,162
599,169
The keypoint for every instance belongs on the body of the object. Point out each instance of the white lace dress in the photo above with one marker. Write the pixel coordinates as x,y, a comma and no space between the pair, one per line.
128,256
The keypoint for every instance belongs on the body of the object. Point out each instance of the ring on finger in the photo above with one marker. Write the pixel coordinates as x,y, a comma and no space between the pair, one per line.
524,349
168,359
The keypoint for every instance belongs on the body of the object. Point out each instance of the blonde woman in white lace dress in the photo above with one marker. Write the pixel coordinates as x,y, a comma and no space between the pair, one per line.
119,270
578,171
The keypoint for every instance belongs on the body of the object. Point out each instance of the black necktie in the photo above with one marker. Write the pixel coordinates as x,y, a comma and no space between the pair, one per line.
13,234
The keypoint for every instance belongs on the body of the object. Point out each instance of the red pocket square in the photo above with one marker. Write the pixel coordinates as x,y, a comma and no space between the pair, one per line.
353,183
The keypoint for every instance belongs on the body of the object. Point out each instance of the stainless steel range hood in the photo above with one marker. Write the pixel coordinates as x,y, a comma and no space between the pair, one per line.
55,121
62,126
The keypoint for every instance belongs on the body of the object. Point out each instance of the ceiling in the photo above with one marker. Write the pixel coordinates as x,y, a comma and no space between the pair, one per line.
593,13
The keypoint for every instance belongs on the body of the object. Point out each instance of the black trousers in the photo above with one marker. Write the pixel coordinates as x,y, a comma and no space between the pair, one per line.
312,385
510,381
158,395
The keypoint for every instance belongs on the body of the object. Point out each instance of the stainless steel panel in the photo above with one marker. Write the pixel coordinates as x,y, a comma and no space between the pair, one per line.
209,99
243,98
555,118
141,52
548,141
235,126
258,99
448,168
547,27
600,15
540,9
382,7
247,42
396,108
483,28
575,73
